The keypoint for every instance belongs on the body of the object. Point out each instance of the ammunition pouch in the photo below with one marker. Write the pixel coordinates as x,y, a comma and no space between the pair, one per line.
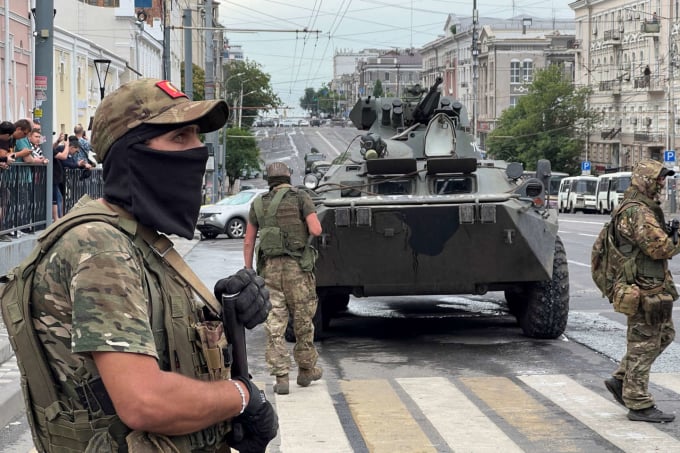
626,298
308,259
272,241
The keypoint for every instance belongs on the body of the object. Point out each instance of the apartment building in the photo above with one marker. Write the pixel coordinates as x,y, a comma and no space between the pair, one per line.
627,52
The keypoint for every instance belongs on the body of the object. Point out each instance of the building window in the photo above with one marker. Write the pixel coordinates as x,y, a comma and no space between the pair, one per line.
528,71
515,72
387,77
513,101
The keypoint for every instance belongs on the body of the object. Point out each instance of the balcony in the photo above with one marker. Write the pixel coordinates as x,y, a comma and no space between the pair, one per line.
609,134
608,85
612,37
651,84
648,137
652,27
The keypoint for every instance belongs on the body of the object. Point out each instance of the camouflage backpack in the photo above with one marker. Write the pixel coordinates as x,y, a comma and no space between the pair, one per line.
608,264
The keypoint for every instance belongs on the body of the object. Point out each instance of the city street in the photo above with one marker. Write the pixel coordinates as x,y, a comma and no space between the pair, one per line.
446,373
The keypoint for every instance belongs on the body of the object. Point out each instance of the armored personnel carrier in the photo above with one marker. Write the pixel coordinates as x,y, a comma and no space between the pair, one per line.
417,211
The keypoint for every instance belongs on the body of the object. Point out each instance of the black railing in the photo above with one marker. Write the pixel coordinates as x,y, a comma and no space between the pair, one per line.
23,189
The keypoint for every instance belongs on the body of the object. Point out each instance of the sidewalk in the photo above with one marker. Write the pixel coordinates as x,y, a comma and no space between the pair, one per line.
11,399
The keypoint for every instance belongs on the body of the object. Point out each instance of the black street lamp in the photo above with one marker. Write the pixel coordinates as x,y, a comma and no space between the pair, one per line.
102,68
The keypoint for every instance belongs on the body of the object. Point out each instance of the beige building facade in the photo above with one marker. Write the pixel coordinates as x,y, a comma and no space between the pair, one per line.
627,52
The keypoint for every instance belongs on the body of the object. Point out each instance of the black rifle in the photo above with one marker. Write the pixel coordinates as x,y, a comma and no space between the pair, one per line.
236,337
673,226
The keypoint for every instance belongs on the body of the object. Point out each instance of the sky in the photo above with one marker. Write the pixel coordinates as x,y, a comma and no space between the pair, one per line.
296,59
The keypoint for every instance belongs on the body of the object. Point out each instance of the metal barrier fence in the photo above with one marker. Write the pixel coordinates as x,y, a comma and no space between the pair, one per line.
23,189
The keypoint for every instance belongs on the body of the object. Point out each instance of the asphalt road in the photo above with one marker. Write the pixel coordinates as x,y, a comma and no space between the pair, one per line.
450,373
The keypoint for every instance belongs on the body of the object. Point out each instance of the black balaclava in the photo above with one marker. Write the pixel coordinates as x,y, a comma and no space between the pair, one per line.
161,189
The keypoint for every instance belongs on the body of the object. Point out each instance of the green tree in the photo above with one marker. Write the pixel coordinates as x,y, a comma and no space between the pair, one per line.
198,85
242,153
550,122
258,94
378,89
310,101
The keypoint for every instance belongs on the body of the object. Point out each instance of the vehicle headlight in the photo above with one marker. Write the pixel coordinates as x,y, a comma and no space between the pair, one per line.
310,181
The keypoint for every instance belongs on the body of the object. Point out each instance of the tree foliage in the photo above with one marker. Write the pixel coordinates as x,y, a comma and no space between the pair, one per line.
242,153
198,82
378,89
258,94
321,102
550,122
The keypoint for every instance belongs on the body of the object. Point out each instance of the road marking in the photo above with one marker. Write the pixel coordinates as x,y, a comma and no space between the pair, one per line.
534,420
669,380
577,263
456,418
384,422
562,220
309,421
606,418
337,153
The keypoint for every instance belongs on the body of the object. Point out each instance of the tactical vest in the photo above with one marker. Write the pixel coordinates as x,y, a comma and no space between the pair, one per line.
282,231
646,267
79,417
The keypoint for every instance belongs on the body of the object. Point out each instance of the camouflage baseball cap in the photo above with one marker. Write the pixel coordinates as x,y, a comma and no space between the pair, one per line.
277,169
150,101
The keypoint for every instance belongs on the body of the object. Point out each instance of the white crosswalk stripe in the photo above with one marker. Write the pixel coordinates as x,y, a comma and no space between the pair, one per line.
467,414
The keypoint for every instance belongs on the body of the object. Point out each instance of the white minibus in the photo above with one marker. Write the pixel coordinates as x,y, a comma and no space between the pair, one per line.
577,193
610,188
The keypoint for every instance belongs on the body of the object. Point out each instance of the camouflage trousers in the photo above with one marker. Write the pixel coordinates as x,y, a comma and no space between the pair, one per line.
645,343
291,291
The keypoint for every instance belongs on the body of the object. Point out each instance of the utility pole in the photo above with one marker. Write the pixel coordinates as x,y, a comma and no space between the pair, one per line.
211,139
44,84
166,40
188,57
475,54
671,106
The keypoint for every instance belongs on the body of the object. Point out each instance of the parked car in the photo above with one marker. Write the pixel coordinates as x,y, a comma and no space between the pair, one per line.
303,123
315,122
229,215
288,123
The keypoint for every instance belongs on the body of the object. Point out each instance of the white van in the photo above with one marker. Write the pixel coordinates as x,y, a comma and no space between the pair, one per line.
577,193
610,188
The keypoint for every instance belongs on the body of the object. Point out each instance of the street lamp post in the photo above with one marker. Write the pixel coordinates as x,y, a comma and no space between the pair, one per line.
101,66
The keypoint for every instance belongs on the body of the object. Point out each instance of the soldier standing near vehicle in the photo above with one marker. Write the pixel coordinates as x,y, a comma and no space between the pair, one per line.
126,348
286,217
640,232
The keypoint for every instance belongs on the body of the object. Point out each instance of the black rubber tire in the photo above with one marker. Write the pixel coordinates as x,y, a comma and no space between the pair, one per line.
516,301
236,228
208,235
547,303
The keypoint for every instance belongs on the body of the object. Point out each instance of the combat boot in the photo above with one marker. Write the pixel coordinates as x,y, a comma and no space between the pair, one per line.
306,376
282,386
615,387
650,414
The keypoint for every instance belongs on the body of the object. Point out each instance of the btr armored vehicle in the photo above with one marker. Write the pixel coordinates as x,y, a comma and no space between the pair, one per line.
417,211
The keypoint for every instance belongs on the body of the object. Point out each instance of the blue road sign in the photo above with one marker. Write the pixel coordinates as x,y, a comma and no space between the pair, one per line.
585,165
669,155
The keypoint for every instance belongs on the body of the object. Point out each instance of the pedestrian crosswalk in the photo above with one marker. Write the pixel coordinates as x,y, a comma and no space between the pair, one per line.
534,413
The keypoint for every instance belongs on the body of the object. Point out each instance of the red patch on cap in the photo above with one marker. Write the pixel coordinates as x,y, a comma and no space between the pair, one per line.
170,89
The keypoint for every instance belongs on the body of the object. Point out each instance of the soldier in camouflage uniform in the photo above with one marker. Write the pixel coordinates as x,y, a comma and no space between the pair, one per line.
292,289
105,301
641,232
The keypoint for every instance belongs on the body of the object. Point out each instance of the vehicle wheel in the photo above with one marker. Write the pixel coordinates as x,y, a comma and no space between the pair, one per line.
236,228
317,320
208,235
517,302
547,303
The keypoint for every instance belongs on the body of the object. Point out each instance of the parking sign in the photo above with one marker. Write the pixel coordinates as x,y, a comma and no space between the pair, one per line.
669,155
585,167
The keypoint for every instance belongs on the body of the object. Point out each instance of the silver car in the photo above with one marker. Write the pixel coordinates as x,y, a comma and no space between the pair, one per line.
229,215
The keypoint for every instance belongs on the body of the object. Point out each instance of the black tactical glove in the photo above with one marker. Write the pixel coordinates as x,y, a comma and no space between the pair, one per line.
252,298
256,426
